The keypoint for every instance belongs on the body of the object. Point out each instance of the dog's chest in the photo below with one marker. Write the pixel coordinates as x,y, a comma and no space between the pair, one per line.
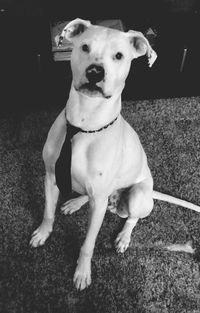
93,162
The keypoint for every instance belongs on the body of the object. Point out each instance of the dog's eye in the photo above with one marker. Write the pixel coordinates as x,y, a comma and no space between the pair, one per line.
85,48
118,56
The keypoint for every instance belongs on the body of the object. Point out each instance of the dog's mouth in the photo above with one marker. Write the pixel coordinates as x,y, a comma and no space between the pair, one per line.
92,90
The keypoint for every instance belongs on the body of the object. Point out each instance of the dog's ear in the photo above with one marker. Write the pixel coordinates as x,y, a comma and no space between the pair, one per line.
73,29
141,46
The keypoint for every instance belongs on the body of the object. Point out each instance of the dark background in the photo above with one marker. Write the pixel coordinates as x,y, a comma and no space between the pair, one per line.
31,79
149,277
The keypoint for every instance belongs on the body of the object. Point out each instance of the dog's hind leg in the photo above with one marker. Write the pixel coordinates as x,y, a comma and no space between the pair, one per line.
139,204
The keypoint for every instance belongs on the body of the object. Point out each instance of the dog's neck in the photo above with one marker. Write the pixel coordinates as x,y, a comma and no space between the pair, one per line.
91,112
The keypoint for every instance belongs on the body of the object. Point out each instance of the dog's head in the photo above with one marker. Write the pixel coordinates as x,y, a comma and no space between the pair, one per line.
101,56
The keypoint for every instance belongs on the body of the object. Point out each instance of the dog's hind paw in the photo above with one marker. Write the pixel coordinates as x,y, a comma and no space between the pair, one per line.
41,234
122,242
73,205
124,237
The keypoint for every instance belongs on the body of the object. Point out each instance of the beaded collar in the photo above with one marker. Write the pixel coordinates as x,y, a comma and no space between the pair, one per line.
91,131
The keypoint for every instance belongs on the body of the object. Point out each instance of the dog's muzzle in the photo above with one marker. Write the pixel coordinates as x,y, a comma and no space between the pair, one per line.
95,73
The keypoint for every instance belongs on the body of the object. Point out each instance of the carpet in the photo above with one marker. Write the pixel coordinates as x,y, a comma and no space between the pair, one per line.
160,270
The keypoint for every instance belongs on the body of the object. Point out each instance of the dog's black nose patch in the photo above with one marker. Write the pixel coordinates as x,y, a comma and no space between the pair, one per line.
95,73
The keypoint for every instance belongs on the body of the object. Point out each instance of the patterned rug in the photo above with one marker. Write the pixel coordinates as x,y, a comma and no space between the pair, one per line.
160,270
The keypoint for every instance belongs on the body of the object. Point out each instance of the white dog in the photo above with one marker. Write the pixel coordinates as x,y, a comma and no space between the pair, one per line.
90,148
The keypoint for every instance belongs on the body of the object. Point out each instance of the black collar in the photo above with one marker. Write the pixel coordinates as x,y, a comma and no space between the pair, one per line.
78,129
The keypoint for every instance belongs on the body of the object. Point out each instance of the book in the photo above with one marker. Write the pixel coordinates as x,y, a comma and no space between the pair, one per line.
63,52
113,23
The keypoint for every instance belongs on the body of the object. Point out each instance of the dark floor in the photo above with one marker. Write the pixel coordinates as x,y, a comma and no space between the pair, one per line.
148,277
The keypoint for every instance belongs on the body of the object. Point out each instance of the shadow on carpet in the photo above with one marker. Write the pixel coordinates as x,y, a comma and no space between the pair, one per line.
152,275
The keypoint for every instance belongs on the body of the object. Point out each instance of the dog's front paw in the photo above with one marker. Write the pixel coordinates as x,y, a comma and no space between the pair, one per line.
41,234
82,276
122,241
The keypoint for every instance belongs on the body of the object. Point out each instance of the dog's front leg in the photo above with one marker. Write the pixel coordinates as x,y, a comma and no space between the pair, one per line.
50,155
51,197
97,209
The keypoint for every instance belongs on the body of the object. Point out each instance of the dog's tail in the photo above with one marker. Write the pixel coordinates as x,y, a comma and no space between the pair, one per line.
163,197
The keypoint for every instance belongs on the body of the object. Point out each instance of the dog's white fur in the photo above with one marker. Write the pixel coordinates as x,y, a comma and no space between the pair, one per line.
105,161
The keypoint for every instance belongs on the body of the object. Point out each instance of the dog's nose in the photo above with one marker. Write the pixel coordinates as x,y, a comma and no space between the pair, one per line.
95,73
